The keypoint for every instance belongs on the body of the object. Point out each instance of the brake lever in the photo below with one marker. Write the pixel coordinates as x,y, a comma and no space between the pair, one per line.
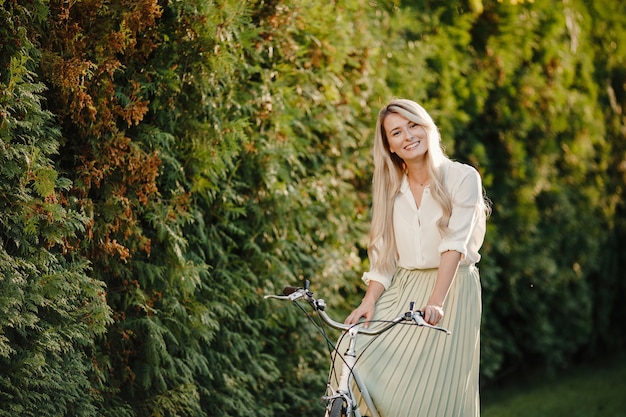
419,319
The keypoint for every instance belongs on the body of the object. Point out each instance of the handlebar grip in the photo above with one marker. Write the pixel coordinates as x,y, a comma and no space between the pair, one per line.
290,290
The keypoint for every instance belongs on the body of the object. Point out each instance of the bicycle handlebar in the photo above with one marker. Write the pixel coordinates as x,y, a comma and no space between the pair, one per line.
319,305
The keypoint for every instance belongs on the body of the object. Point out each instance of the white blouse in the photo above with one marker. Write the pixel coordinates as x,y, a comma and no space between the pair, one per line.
419,241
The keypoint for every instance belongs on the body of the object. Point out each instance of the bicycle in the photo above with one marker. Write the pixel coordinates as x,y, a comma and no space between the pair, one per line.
340,402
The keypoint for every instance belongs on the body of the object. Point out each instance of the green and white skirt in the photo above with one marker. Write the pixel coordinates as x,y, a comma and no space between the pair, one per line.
413,371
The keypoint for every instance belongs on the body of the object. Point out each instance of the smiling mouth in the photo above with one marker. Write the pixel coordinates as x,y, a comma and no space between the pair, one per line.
412,146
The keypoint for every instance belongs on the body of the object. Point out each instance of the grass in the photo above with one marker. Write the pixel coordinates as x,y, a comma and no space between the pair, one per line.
590,390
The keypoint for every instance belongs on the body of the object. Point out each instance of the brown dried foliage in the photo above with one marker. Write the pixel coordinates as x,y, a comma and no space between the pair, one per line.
87,52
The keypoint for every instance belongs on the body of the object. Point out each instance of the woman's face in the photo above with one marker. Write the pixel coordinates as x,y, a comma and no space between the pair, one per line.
406,139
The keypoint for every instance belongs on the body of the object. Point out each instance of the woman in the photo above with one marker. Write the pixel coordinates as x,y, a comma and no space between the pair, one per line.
428,223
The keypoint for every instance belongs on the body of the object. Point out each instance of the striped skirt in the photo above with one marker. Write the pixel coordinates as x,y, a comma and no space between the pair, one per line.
413,371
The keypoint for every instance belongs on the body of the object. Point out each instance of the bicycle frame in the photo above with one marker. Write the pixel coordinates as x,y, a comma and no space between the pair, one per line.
349,372
349,359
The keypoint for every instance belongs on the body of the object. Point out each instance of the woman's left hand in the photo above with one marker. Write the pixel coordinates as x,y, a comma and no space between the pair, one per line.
433,314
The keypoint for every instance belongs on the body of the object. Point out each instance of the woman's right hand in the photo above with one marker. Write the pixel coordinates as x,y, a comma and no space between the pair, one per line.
368,305
365,310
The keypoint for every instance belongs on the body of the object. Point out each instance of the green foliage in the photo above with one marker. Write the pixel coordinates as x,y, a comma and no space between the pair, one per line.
190,157
546,140
258,173
607,33
51,310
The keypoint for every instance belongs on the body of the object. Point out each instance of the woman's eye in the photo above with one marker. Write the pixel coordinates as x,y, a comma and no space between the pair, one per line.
414,125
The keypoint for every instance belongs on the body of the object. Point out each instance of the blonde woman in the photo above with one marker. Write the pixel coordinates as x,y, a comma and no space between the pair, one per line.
428,224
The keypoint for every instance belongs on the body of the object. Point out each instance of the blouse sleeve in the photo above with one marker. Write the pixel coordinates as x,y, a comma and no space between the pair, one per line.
373,275
467,201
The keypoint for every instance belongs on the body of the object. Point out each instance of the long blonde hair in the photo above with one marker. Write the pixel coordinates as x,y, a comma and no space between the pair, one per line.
388,171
